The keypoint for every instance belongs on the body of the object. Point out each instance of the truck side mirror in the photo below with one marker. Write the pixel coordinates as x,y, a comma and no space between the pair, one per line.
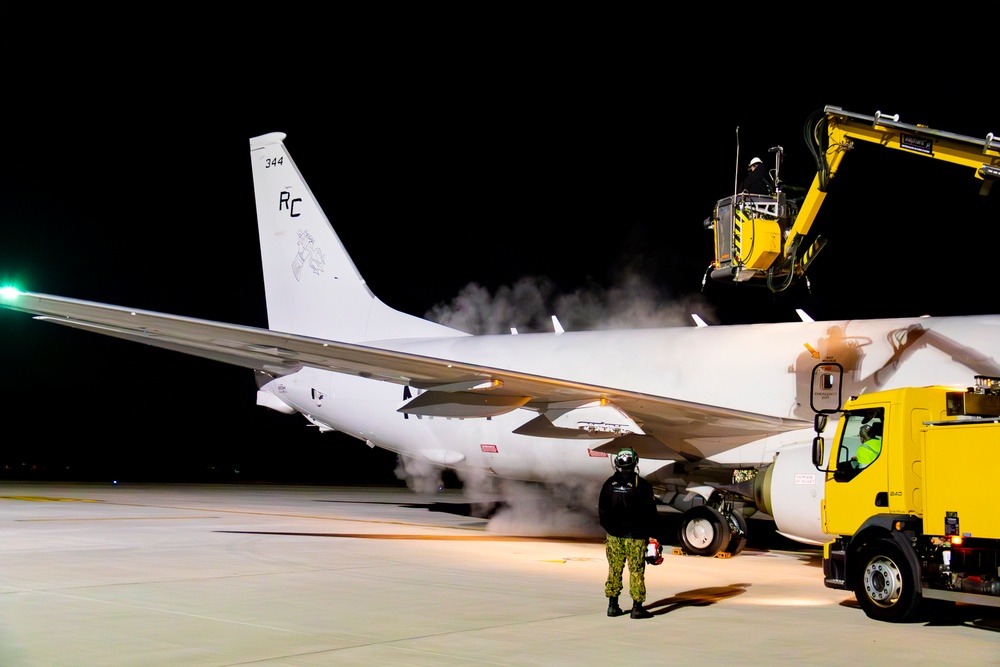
818,451
819,423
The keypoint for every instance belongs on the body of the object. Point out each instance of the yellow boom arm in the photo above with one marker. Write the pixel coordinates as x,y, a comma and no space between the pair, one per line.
844,127
759,237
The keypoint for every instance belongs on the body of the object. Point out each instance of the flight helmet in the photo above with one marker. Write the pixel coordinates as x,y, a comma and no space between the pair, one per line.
625,460
654,552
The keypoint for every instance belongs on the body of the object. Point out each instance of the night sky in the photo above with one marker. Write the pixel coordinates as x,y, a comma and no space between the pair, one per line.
587,175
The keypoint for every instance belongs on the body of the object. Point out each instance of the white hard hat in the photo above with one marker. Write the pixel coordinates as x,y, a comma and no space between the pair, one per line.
756,160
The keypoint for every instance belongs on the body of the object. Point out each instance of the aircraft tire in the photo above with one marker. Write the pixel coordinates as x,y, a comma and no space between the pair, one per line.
704,531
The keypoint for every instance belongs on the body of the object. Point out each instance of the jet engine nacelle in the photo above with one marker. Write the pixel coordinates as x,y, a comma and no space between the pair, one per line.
790,490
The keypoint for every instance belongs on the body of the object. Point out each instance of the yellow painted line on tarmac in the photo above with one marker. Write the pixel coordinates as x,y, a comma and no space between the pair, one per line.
50,499
53,499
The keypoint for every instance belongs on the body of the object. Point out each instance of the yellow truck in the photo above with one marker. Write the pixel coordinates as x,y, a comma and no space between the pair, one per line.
913,515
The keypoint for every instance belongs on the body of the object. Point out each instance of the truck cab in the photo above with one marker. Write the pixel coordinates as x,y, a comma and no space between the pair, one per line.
857,489
916,519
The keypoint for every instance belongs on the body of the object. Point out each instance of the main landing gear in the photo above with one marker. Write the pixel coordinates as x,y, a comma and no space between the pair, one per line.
707,531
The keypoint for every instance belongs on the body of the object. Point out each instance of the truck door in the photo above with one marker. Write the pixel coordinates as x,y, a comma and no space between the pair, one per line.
860,485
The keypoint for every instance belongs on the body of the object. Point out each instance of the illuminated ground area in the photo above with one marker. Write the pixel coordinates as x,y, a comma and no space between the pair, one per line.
305,575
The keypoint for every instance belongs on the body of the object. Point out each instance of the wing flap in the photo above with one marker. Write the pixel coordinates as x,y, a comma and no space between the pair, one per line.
462,404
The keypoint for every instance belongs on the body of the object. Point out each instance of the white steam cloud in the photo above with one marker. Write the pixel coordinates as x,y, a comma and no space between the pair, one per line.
529,304
515,508
420,475
553,510
563,508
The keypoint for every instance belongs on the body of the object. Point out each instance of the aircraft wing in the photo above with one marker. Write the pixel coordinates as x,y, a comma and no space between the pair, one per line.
673,428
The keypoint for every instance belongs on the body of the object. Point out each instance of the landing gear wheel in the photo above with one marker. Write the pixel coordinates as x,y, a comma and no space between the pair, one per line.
704,531
885,588
738,528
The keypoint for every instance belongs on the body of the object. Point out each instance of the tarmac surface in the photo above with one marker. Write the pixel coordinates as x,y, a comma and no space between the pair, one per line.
156,574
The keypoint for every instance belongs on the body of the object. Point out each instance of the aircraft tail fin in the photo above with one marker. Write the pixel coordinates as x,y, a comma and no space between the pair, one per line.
311,284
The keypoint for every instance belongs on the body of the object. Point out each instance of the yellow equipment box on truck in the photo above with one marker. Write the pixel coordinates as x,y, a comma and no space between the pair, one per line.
910,498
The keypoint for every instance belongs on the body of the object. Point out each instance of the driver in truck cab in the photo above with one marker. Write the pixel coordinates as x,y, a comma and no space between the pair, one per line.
871,444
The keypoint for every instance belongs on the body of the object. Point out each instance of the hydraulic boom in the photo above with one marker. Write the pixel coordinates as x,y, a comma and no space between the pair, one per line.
760,237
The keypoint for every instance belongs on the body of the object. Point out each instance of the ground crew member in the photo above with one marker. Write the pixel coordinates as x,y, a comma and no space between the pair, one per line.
758,180
627,511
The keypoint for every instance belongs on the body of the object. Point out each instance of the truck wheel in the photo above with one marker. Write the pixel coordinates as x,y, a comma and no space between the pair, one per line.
885,588
704,531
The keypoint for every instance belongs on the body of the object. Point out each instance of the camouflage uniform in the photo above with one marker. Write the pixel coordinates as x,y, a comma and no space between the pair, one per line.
620,550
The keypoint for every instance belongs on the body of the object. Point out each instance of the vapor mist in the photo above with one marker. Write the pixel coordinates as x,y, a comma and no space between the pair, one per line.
529,304
562,508
420,475
512,507
550,510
